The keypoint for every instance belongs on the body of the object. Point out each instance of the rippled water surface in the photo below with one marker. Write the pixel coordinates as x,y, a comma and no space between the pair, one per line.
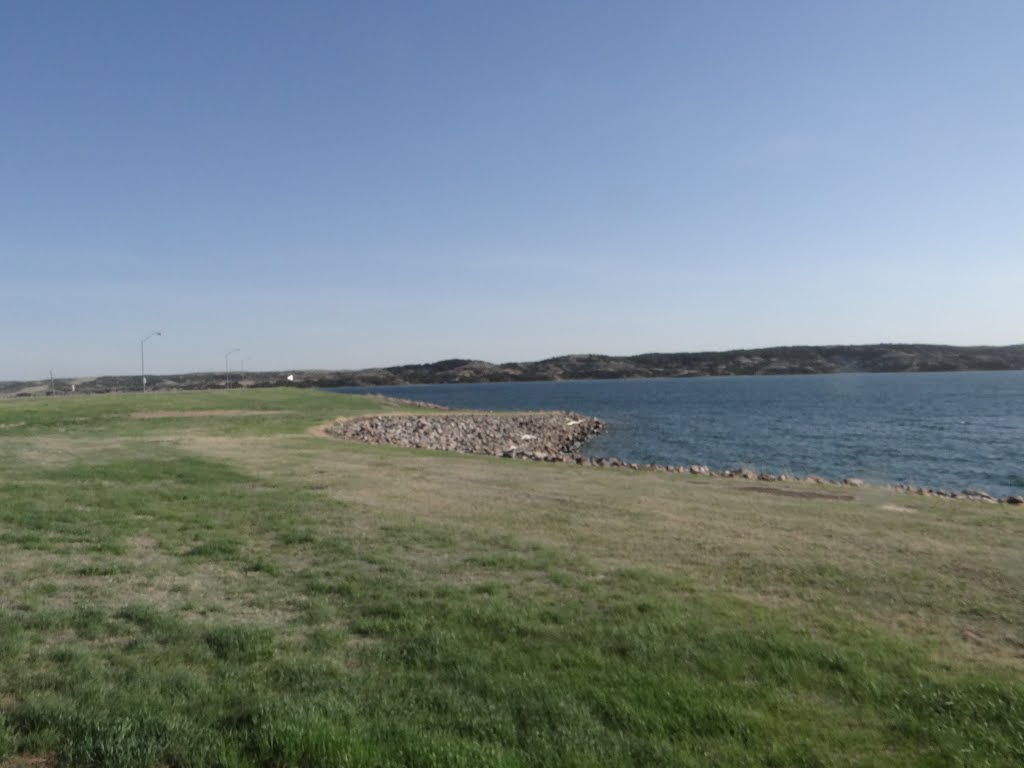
939,430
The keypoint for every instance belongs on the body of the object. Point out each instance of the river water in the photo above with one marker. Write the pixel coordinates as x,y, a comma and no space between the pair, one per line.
953,431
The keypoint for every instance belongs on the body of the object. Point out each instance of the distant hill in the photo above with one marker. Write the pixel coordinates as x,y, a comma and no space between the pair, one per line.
772,361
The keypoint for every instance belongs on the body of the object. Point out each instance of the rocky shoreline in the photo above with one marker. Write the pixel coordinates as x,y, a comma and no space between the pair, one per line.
556,436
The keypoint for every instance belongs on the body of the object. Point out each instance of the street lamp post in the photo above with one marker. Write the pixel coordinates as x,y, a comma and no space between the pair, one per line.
227,374
142,355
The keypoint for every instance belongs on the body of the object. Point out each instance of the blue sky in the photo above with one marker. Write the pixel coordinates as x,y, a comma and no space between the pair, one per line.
349,184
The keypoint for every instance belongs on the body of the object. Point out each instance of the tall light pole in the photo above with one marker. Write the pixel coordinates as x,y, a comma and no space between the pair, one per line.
142,354
227,374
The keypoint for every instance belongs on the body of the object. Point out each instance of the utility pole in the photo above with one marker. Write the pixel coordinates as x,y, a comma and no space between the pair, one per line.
227,373
142,355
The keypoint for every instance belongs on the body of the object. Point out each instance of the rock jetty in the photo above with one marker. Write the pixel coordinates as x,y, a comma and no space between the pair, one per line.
547,436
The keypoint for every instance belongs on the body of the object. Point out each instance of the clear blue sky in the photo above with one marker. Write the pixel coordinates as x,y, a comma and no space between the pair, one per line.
347,184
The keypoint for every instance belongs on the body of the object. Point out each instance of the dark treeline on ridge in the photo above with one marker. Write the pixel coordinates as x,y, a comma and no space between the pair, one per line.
862,358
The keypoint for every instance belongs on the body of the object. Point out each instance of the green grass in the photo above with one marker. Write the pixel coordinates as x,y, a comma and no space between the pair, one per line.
232,590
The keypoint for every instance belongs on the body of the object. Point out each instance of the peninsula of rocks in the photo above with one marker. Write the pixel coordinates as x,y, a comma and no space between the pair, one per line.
548,435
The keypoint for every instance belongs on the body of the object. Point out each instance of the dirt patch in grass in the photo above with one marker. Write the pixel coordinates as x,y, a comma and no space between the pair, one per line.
799,494
28,761
142,543
896,508
189,414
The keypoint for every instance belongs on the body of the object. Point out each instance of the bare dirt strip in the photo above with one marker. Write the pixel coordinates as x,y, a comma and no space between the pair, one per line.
193,414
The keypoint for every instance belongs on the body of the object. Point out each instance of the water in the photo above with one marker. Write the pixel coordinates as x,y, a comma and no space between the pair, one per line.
938,430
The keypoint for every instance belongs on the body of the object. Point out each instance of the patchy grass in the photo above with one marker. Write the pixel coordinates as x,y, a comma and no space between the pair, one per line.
205,591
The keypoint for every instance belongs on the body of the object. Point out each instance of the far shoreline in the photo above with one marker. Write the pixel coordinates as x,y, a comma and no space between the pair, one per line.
768,361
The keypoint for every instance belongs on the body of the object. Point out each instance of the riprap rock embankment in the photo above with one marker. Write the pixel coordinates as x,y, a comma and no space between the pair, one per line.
552,435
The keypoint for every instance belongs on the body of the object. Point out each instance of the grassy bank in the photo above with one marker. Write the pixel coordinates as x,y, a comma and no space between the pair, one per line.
187,588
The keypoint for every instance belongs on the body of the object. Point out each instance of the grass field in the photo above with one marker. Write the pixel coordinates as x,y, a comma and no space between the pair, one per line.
229,589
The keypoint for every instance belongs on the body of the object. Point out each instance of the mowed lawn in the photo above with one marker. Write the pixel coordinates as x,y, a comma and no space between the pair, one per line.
199,579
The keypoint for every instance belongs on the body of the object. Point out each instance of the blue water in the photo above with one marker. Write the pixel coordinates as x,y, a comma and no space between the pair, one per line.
938,430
